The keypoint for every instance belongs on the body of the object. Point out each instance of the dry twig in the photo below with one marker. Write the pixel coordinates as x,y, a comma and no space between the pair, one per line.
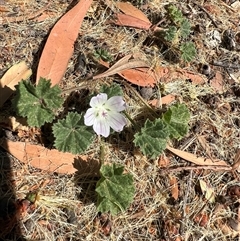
5,20
209,16
207,167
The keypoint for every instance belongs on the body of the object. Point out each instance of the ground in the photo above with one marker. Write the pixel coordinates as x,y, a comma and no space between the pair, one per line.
169,203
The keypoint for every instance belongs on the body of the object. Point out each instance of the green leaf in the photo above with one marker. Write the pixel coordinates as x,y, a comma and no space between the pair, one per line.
72,135
170,34
188,51
115,189
177,118
113,90
152,138
103,54
185,28
39,103
175,14
32,197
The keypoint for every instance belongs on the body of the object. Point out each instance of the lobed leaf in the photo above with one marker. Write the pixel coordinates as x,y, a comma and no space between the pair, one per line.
113,90
188,51
170,34
115,189
177,118
152,138
175,14
185,28
38,103
103,54
71,135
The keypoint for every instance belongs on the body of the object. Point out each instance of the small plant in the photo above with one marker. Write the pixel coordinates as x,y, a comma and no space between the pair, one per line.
178,32
39,104
115,189
188,51
153,137
74,133
103,54
71,135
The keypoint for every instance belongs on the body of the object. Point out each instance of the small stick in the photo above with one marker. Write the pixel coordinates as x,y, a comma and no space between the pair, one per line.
209,16
185,201
227,66
229,7
207,167
4,20
84,83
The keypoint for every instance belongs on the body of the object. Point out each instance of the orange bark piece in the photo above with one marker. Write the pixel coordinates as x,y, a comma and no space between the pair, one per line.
4,9
202,219
165,100
129,9
226,229
130,21
163,161
132,17
174,187
145,76
217,82
167,74
41,157
139,76
121,65
195,78
213,9
60,44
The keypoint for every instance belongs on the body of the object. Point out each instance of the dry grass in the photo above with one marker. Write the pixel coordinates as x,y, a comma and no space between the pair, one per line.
66,207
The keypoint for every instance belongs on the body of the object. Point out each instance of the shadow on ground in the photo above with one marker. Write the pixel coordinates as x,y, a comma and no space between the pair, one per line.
9,220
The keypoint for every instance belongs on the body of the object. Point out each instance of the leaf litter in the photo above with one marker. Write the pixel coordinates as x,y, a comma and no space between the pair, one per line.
164,207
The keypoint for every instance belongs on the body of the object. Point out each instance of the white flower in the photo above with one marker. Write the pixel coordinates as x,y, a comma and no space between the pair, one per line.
104,113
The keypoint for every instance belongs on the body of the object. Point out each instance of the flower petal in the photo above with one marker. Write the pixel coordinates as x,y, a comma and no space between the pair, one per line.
116,121
89,117
98,100
116,103
101,127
